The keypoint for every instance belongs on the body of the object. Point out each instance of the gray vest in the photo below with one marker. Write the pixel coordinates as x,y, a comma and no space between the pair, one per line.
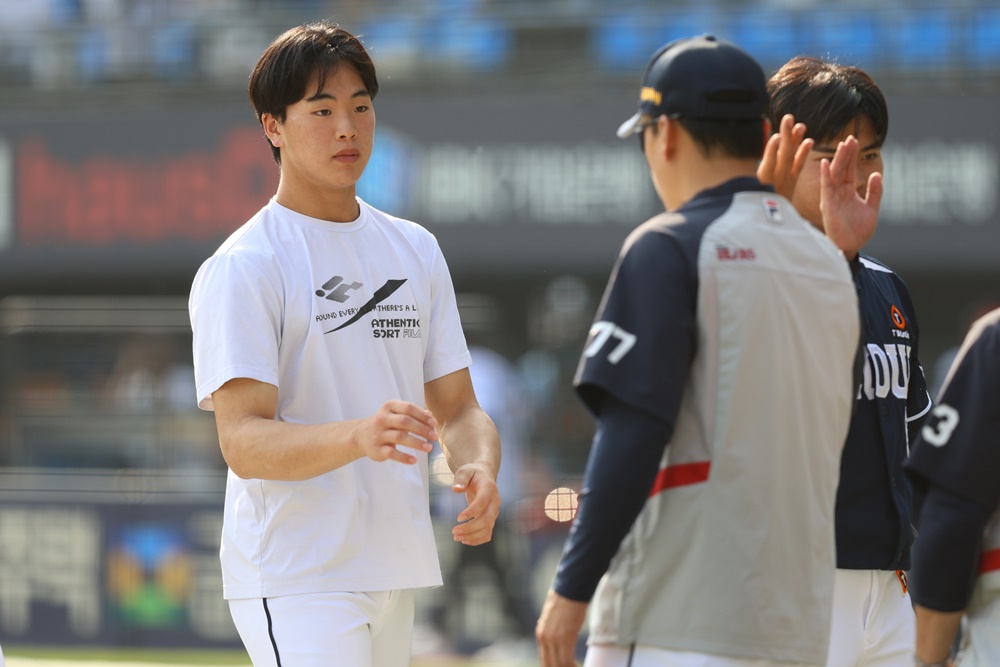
734,551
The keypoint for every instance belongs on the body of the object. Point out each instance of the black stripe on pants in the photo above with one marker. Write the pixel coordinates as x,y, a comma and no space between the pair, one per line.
270,633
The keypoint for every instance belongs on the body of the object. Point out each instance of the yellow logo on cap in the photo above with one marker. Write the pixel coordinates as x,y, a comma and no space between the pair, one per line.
651,95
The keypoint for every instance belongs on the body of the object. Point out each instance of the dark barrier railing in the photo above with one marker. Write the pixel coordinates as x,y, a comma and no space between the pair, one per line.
113,558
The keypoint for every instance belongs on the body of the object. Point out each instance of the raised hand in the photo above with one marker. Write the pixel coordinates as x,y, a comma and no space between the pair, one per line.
784,155
849,217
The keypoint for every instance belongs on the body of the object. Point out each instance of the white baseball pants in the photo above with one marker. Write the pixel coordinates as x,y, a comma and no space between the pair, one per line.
873,621
649,656
322,629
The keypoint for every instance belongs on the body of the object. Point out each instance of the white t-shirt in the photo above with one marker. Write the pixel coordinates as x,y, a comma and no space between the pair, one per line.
340,317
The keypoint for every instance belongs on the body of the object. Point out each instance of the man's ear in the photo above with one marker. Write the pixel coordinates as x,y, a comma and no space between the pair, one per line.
272,129
669,133
766,126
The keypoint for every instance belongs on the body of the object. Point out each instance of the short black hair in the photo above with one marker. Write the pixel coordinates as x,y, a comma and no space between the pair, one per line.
735,138
280,77
827,97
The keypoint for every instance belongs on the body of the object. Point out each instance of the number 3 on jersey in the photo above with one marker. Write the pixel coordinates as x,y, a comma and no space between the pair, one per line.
939,432
601,332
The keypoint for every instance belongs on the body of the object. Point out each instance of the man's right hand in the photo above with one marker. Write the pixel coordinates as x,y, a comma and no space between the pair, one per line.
784,155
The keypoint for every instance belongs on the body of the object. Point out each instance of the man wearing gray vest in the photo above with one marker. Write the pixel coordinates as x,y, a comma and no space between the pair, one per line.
720,369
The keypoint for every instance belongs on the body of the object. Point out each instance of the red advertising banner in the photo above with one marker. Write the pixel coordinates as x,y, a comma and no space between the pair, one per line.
199,195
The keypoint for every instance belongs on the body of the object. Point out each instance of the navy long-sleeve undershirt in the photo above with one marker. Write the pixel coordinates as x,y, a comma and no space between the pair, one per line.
946,552
623,463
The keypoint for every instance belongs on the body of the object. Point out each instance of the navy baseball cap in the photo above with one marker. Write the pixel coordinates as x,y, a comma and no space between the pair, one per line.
700,77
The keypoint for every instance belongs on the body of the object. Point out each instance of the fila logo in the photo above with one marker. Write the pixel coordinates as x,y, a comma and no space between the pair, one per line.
771,209
338,289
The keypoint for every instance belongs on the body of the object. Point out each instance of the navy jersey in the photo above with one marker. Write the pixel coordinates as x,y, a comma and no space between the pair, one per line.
959,446
874,500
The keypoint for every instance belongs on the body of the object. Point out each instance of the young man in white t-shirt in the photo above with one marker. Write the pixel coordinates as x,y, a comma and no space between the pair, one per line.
322,328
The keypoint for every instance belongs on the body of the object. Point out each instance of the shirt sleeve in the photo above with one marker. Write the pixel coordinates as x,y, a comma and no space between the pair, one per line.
624,461
447,350
642,343
946,557
236,314
918,398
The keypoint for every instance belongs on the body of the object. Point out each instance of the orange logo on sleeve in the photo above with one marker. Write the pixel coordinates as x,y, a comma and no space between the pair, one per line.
898,319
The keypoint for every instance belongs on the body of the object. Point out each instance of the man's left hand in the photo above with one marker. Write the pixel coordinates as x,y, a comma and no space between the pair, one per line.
477,520
849,218
558,630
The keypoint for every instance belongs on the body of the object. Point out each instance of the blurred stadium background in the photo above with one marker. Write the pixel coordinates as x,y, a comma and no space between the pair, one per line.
128,151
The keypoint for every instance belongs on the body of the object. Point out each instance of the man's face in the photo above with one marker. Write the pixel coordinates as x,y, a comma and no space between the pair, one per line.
326,138
806,194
